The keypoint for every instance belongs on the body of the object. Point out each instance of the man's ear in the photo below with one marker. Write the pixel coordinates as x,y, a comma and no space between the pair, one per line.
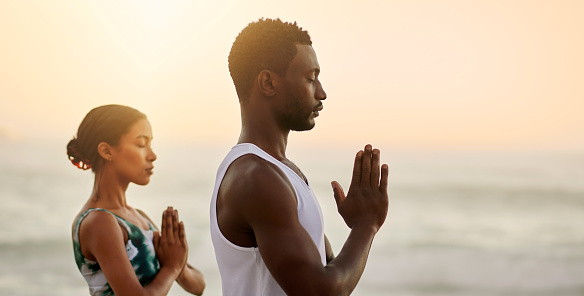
267,81
105,150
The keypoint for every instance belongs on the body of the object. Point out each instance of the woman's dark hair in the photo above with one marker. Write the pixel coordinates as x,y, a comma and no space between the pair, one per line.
107,124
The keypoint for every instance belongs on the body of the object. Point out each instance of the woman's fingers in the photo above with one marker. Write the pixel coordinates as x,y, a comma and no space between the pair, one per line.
181,231
175,224
169,218
171,226
163,225
155,239
171,244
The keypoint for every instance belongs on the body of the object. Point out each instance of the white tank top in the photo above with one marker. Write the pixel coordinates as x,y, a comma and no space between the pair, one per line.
242,269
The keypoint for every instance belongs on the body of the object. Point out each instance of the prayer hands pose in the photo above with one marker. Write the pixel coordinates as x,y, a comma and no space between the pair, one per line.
171,243
367,202
113,247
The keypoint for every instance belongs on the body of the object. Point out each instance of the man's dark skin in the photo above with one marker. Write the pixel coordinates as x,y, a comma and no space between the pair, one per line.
256,203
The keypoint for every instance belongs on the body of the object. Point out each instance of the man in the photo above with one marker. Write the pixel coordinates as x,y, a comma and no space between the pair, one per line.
266,224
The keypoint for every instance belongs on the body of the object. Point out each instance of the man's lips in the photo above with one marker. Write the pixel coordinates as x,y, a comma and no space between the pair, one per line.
317,110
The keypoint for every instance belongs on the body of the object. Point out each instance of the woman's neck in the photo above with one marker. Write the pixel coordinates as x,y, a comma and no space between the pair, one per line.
108,192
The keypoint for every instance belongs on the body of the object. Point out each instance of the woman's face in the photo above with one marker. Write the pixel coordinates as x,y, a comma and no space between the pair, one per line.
132,158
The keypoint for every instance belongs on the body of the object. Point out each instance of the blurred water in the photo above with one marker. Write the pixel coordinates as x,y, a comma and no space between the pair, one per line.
459,223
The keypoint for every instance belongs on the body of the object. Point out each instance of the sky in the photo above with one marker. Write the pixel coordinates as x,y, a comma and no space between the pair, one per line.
406,74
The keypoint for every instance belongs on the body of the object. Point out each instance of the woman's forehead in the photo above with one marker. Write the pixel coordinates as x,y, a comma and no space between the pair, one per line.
140,129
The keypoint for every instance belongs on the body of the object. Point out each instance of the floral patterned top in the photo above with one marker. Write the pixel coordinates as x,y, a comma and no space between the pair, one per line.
139,248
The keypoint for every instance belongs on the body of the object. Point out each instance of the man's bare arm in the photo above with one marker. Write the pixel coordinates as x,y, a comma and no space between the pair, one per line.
287,249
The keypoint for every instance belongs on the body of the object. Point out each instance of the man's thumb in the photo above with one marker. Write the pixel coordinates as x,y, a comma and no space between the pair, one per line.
338,193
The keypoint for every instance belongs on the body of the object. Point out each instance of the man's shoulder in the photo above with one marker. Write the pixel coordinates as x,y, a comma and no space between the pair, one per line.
251,167
252,177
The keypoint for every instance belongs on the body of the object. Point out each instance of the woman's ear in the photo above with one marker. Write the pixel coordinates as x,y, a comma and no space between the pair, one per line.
267,81
105,151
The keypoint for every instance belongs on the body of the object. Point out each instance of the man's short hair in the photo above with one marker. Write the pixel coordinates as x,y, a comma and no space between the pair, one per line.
263,45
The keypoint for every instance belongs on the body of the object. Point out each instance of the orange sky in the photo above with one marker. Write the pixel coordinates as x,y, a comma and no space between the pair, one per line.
408,74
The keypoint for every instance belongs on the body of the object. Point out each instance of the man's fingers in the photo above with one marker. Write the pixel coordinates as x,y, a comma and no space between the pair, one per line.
366,166
384,177
375,156
356,179
338,193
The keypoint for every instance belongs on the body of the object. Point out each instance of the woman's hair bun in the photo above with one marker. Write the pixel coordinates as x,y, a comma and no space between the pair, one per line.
107,124
77,159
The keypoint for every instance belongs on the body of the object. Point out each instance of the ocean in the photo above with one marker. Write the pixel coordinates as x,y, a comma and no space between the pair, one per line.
460,223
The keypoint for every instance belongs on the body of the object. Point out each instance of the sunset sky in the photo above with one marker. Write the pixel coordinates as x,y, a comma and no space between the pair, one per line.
407,74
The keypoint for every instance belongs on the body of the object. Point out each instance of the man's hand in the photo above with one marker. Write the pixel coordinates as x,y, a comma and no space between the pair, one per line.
367,202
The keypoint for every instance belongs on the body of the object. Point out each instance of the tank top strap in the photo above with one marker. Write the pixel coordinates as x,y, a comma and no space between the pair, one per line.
121,221
249,148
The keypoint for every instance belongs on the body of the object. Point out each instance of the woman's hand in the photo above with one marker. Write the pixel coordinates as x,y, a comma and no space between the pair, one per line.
172,251
171,243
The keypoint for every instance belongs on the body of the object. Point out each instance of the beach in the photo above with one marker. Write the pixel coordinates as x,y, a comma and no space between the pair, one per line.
460,223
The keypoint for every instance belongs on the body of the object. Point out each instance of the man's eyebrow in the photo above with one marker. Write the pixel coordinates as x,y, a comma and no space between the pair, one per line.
144,137
316,71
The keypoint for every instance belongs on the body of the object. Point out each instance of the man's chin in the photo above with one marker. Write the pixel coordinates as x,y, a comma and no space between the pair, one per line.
304,128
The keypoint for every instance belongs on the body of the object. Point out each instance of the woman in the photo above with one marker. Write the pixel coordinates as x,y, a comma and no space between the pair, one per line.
117,248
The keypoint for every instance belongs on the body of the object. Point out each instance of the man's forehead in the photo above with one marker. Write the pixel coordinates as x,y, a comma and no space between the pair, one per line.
305,58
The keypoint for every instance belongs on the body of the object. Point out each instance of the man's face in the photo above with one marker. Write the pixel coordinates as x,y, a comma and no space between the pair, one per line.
302,91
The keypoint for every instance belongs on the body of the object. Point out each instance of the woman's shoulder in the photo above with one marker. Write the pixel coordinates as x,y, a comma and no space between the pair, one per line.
97,219
98,215
90,215
96,229
81,218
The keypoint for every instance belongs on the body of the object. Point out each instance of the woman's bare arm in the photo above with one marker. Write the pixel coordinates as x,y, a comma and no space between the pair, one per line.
102,238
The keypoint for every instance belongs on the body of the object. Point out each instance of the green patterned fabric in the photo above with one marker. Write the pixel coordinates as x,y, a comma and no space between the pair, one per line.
139,248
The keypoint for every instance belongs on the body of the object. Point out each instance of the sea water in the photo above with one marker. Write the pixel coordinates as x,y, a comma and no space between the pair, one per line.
475,223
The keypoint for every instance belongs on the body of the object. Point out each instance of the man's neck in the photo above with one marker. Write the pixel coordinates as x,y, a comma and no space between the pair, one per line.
260,127
273,145
270,140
